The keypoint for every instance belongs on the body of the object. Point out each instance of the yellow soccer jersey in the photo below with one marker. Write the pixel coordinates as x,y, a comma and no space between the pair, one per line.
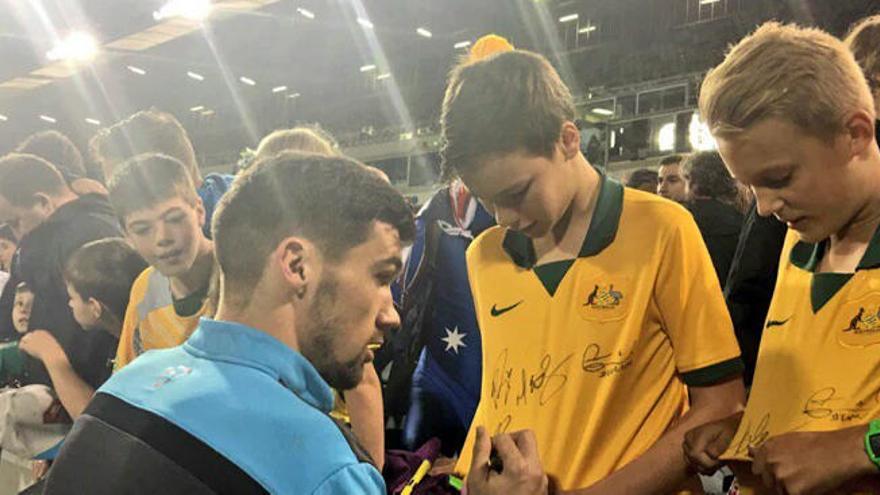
154,320
820,351
594,354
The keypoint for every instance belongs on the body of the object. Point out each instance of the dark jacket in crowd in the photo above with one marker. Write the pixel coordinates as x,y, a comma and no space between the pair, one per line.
749,287
40,263
720,225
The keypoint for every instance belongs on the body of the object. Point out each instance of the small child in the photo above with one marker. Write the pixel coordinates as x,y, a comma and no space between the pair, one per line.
11,358
99,277
21,308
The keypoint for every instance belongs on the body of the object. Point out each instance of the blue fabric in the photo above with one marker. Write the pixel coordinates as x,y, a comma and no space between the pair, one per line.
253,400
213,188
448,377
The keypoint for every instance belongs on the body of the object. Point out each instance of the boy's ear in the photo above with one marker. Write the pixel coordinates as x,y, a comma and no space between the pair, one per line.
570,138
95,308
43,200
860,128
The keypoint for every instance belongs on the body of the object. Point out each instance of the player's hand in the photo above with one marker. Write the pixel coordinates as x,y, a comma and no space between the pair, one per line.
812,462
43,346
521,474
704,444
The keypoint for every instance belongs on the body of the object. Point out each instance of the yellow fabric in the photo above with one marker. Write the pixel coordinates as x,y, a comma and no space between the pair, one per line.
816,371
340,408
150,319
598,383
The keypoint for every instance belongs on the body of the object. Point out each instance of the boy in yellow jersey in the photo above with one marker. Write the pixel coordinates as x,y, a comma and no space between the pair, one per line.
794,120
162,215
603,325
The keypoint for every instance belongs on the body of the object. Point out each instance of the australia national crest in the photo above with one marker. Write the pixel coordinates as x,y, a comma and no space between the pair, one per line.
864,321
604,297
858,321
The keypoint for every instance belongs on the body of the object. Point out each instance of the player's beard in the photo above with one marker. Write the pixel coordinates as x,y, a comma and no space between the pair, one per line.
324,335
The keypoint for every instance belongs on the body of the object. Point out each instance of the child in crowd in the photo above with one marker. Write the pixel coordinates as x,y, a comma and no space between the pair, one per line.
11,359
154,131
163,218
99,278
21,309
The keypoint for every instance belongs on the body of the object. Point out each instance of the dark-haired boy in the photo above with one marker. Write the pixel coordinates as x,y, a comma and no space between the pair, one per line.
603,325
99,277
154,131
162,215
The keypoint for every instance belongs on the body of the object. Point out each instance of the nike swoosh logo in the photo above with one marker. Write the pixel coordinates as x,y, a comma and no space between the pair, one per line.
776,323
496,312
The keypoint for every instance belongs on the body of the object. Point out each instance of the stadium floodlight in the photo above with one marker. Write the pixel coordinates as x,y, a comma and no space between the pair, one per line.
699,135
666,137
196,10
78,46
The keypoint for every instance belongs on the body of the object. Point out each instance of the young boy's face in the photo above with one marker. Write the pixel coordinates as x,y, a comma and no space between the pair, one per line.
804,181
167,235
21,310
84,313
7,251
526,193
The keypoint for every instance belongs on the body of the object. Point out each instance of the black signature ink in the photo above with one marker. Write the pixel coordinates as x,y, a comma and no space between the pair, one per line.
501,380
594,361
818,406
545,382
504,424
753,436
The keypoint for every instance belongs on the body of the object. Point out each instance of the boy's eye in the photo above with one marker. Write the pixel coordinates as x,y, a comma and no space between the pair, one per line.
779,183
385,278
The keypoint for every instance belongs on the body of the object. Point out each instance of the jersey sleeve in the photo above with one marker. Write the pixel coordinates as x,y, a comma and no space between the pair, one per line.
356,478
692,308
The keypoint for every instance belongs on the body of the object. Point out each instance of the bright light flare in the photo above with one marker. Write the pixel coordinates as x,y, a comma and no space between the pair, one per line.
78,46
